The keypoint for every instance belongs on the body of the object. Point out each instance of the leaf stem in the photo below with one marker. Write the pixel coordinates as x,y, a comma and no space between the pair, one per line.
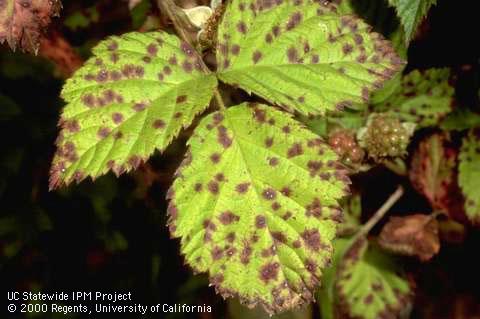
379,213
173,12
218,98
397,166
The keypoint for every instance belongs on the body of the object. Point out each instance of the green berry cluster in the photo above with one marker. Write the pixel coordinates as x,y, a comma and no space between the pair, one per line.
345,145
385,136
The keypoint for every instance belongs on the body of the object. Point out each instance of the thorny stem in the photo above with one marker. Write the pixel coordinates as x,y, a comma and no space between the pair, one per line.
172,11
379,214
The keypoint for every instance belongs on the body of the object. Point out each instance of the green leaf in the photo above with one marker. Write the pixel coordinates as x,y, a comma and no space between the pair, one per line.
131,98
302,55
411,13
469,174
81,19
238,311
139,13
369,285
460,119
326,295
318,124
389,89
322,125
256,205
420,97
352,212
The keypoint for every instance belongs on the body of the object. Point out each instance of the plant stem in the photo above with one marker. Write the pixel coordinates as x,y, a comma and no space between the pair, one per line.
398,167
379,213
218,98
171,9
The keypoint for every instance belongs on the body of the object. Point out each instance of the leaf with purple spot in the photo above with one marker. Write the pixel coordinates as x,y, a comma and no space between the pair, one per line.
469,174
131,98
370,284
302,55
255,204
423,97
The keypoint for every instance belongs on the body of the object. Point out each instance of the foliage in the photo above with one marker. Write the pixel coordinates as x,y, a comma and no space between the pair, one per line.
21,22
411,14
133,97
461,119
121,108
432,173
369,285
81,20
414,235
270,50
289,111
363,282
249,217
469,174
419,97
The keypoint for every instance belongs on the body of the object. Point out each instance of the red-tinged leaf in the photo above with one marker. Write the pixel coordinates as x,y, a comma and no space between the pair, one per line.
433,174
23,21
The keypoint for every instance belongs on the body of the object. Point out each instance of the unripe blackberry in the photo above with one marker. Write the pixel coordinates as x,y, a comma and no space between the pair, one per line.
344,144
385,136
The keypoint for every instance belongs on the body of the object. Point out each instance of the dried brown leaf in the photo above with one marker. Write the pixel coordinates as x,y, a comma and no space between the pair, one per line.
22,22
414,235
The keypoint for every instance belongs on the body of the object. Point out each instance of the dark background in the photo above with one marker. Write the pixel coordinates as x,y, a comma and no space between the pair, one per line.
110,235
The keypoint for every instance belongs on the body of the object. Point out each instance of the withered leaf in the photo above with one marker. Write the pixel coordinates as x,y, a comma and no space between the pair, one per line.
414,235
23,21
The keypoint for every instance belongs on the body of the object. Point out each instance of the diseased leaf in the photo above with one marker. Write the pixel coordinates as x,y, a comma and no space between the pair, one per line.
469,174
23,21
327,295
323,125
411,13
345,6
131,98
413,235
302,55
352,211
420,97
369,284
432,173
238,311
460,119
318,124
256,205
390,88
